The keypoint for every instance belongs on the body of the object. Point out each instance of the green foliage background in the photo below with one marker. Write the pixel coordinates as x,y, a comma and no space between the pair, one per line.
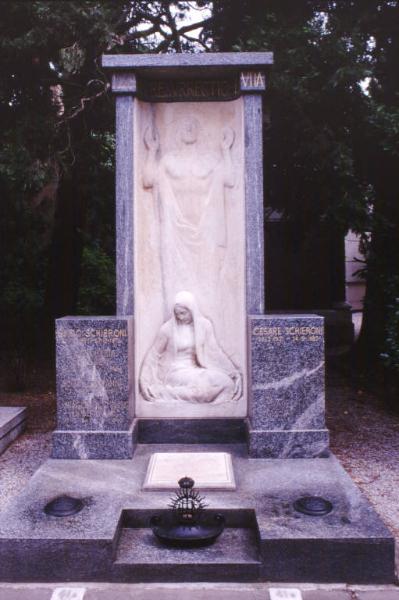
332,150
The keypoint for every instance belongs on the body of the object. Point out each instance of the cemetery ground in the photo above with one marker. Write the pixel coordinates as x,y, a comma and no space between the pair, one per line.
364,436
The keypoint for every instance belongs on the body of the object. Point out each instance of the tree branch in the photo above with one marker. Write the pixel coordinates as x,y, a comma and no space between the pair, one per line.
172,25
196,41
85,99
196,25
168,38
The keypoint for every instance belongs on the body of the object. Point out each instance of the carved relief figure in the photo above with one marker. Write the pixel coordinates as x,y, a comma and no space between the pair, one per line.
189,184
186,363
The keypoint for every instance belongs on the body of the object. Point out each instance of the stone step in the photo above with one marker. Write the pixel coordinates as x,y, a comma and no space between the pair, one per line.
12,424
233,557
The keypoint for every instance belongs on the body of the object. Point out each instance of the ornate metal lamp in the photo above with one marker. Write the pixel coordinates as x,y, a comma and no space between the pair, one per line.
187,525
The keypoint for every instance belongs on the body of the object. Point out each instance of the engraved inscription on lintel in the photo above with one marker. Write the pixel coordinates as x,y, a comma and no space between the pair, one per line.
189,187
252,80
183,90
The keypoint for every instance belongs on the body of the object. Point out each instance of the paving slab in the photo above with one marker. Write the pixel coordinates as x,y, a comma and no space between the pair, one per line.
327,595
378,595
193,591
177,594
25,593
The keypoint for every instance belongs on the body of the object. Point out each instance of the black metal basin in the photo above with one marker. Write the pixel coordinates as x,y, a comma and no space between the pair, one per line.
180,535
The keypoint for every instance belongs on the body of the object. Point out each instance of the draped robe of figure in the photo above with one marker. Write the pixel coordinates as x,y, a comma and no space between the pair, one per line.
189,189
186,363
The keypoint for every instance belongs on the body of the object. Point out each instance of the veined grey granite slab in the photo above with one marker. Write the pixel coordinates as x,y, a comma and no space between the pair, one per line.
124,191
94,388
12,424
350,544
254,221
286,400
88,445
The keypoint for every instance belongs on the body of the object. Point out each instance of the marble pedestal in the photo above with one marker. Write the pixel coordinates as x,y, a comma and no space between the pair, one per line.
285,392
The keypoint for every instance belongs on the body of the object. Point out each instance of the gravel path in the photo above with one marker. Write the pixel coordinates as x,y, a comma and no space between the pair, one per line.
364,436
24,456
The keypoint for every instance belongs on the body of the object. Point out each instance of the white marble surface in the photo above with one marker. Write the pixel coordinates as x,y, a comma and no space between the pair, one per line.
210,470
189,220
186,364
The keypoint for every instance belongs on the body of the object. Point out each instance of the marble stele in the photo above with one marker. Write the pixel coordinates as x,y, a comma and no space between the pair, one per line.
189,238
189,260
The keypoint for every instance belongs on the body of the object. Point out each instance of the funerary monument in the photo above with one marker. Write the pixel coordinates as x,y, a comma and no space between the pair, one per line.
192,377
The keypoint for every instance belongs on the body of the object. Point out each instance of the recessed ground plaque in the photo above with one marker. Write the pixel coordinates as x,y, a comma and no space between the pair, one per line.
210,470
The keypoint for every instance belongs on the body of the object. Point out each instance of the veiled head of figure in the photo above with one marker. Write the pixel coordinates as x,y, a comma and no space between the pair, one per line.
189,130
183,307
183,314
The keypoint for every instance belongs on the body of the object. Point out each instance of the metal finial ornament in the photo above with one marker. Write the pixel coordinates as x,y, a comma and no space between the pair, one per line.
187,524
187,503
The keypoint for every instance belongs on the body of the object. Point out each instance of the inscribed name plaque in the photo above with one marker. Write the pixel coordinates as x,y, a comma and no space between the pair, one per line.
287,386
94,385
186,90
210,470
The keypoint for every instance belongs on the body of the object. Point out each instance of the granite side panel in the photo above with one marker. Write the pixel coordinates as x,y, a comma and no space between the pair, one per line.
124,203
286,388
294,401
89,445
255,293
93,385
286,372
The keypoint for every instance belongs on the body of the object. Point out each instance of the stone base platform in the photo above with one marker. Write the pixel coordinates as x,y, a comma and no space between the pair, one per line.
265,538
12,424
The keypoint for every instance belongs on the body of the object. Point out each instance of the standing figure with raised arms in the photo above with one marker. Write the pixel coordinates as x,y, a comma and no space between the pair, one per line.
188,185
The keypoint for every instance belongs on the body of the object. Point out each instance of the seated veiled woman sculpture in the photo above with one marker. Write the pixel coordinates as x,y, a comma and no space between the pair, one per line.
186,363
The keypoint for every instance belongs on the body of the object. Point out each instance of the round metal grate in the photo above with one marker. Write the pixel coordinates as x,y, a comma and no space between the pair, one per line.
63,506
314,506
